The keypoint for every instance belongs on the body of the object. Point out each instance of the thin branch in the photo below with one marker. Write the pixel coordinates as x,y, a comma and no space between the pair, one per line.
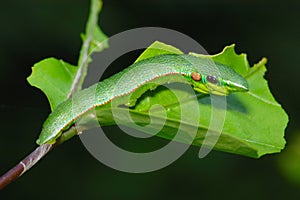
34,157
25,165
84,52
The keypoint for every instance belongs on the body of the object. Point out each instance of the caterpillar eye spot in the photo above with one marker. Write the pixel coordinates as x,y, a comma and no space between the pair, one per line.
196,76
212,79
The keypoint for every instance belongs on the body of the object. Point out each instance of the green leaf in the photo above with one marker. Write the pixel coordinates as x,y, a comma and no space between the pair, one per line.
58,79
54,77
289,160
254,124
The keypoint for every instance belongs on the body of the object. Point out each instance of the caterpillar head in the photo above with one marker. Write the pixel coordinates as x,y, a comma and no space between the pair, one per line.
218,84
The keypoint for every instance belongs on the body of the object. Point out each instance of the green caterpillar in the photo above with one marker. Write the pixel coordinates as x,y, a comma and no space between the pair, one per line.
203,74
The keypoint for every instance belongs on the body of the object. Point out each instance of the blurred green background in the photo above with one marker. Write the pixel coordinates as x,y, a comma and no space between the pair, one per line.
33,30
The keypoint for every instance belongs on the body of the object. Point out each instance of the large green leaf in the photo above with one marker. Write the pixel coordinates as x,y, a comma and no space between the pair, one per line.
254,123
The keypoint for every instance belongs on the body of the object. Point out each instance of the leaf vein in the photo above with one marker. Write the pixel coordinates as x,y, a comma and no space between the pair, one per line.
263,99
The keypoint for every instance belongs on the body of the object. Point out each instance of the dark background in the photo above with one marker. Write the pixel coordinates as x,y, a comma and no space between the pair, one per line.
33,30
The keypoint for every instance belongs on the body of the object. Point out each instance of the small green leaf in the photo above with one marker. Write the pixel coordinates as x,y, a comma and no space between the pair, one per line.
99,41
54,77
289,160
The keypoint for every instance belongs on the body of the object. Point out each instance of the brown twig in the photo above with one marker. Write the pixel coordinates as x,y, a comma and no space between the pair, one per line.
34,157
24,165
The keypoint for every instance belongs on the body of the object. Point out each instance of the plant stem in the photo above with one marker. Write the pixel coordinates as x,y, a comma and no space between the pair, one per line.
34,157
84,52
25,164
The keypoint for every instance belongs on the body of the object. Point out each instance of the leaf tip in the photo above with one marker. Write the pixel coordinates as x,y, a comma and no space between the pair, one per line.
263,61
